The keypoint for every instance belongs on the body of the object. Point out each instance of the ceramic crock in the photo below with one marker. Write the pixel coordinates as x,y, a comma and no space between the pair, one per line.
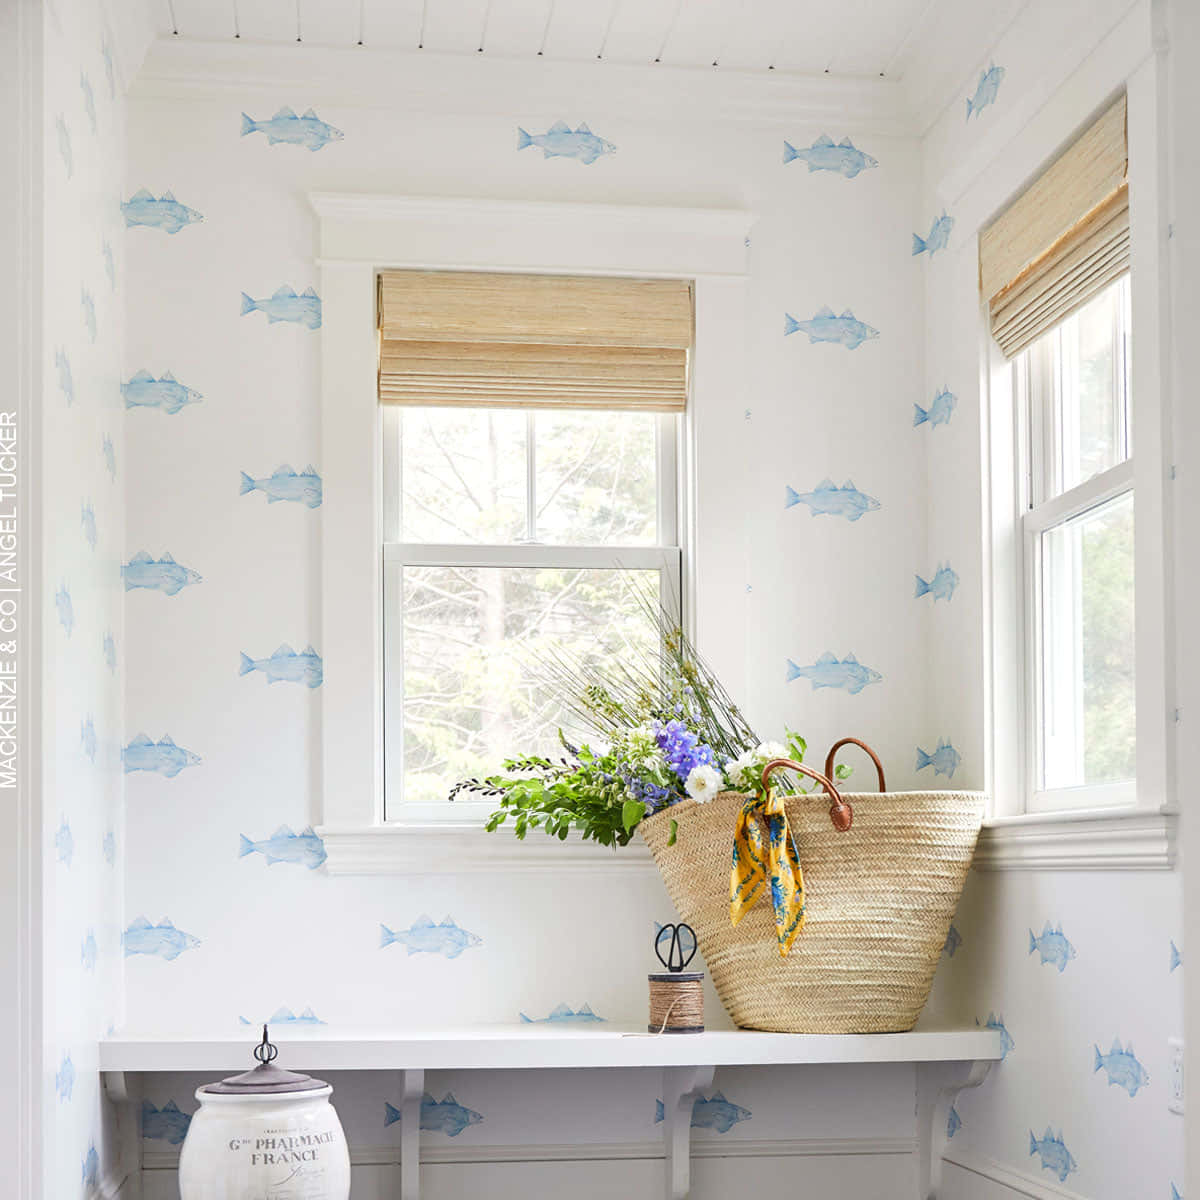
268,1134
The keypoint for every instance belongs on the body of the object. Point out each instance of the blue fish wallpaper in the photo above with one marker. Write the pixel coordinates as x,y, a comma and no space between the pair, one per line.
438,1116
87,306
424,937
936,239
162,757
285,1016
87,739
825,326
715,1113
941,586
157,574
939,412
827,499
829,671
1176,959
64,844
564,1014
1054,1155
307,130
286,665
87,519
64,1079
1052,947
65,608
168,1124
165,393
561,141
89,100
66,380
285,305
285,484
1122,1068
842,158
162,940
985,90
944,759
952,943
953,1122
110,457
89,951
165,212
90,1171
284,846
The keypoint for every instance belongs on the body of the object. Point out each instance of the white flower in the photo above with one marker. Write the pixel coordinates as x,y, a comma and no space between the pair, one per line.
769,750
703,783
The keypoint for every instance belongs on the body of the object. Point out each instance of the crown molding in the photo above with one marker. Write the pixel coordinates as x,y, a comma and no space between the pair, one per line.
458,84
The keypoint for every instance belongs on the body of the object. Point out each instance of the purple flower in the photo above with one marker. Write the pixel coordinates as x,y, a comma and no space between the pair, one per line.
681,748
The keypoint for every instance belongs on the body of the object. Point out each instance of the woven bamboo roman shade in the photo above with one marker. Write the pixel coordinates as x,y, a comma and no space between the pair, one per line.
1063,240
472,339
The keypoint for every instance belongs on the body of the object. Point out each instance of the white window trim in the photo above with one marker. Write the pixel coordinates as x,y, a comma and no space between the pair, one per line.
1142,835
360,234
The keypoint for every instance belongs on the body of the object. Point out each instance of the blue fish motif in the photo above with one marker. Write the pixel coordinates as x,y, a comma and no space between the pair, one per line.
564,1015
1176,957
165,213
939,235
938,413
714,1113
985,90
66,610
1007,1045
827,499
446,939
944,760
164,756
953,1122
941,586
89,951
110,652
90,1170
308,130
88,307
1175,1195
158,575
87,738
110,457
163,939
1053,947
437,1116
830,672
285,484
846,330
66,381
88,521
285,305
165,393
64,145
304,848
1054,1155
561,141
286,665
285,1016
64,1078
167,1124
89,99
64,844
1122,1068
110,266
952,943
110,848
844,158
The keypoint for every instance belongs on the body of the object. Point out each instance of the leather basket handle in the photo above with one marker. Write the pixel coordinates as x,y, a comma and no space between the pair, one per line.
853,741
840,813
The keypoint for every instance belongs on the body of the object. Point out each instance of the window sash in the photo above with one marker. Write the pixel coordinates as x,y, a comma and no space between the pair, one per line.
666,557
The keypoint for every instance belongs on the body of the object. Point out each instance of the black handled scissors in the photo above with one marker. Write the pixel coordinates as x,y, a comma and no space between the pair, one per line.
682,948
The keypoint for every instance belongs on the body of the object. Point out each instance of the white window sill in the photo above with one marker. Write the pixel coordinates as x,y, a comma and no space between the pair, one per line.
1131,839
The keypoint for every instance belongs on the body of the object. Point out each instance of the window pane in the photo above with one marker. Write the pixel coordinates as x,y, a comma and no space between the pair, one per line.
462,475
596,478
1087,648
1092,394
472,638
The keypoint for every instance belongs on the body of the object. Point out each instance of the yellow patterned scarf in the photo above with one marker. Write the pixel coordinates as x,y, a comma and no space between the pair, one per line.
762,855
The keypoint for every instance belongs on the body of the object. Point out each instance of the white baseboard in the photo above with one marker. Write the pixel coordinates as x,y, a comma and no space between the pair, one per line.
1018,1182
378,1156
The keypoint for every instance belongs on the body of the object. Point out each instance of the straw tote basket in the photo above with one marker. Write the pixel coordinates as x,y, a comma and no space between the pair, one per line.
880,893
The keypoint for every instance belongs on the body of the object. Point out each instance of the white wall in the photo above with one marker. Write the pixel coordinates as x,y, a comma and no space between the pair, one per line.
1062,59
81,482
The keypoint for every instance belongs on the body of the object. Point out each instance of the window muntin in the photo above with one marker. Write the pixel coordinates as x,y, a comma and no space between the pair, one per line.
1077,523
511,535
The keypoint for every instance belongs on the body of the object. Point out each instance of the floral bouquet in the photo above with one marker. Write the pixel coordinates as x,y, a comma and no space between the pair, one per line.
665,730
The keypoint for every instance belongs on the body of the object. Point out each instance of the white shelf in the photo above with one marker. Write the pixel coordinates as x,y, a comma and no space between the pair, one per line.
525,1047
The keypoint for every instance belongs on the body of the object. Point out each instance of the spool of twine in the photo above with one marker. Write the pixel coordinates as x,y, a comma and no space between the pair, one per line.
677,1002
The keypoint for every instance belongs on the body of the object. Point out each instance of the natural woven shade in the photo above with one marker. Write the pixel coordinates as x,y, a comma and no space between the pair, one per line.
534,341
1063,240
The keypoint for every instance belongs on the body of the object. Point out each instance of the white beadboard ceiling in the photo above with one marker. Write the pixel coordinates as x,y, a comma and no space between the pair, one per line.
844,38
